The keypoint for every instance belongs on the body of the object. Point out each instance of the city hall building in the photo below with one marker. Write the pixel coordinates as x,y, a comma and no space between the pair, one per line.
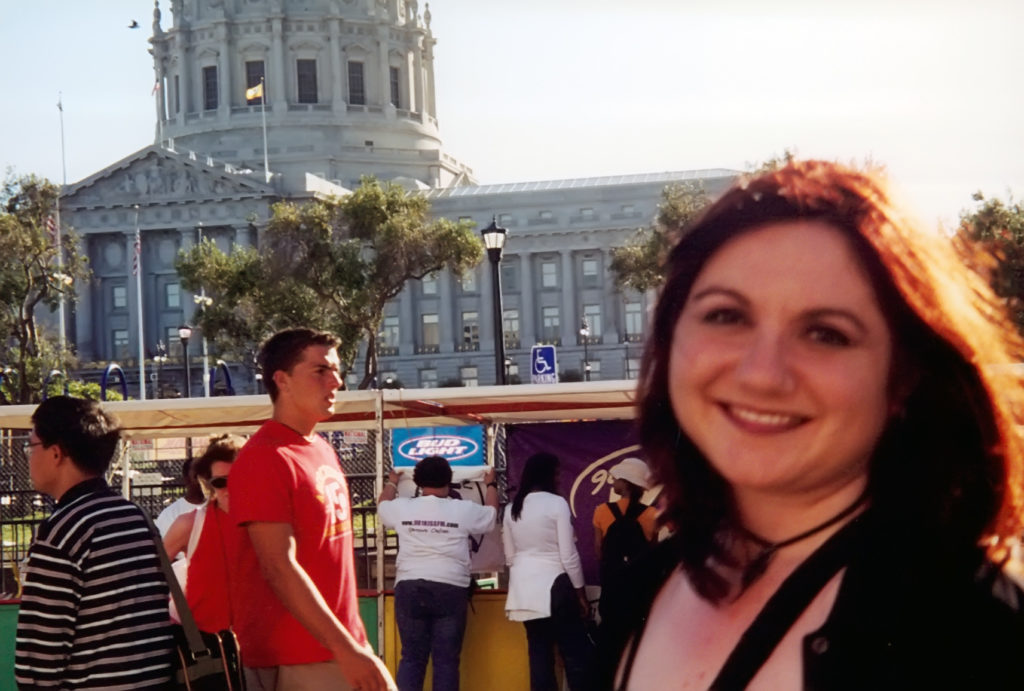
349,91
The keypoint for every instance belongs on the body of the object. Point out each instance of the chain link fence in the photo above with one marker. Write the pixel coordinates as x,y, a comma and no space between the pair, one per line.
155,481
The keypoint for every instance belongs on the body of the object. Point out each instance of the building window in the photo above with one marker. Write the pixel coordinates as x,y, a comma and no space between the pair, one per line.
590,275
504,219
389,334
396,86
546,215
470,331
468,282
253,76
549,274
628,209
592,313
428,378
210,88
306,78
632,367
595,369
120,343
510,275
587,214
172,296
469,375
119,297
171,335
428,284
550,325
177,95
356,89
431,331
510,327
634,319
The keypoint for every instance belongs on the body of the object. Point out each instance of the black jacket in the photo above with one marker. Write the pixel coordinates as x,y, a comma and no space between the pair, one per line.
906,617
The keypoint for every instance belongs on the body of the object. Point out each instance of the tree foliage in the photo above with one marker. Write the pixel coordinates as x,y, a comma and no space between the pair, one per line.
329,264
31,282
639,264
997,227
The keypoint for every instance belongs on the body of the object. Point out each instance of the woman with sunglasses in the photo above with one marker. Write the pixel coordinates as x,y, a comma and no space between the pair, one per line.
209,538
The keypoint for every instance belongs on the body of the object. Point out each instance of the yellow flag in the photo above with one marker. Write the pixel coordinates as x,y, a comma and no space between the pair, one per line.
254,92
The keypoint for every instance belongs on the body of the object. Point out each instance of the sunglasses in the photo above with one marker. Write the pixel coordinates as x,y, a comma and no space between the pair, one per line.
219,482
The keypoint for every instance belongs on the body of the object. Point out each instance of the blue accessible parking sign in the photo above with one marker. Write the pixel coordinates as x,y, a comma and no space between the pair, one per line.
543,365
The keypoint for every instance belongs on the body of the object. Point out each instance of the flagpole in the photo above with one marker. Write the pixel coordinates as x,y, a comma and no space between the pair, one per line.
263,112
62,330
204,302
137,267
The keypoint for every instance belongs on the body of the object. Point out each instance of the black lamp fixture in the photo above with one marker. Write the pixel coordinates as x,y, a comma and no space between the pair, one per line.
494,240
185,333
585,337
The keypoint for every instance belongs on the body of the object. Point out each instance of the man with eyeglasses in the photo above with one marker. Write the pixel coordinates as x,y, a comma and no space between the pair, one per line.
300,627
93,611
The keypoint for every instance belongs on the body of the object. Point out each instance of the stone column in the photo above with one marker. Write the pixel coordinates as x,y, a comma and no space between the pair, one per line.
569,309
184,76
418,82
275,79
446,313
226,83
383,71
406,323
89,295
188,305
528,315
337,86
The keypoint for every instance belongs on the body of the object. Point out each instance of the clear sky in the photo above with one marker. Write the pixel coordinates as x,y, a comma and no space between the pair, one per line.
544,89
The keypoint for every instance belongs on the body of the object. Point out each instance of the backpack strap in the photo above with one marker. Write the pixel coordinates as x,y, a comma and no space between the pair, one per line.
635,509
613,506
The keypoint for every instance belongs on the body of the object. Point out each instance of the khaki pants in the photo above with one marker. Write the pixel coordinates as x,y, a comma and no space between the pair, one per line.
315,676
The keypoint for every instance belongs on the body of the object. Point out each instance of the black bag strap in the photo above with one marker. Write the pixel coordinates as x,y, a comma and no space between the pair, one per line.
196,645
635,509
782,609
613,506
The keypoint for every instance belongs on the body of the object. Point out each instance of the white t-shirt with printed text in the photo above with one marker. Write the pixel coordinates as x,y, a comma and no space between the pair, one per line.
433,536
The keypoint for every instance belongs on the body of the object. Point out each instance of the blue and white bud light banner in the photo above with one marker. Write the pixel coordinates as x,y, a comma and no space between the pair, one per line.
462,446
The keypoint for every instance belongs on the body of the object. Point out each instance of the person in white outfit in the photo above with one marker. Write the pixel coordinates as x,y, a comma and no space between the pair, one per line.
545,589
433,570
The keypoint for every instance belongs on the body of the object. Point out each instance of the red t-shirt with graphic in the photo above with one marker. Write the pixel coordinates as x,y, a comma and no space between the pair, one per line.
281,477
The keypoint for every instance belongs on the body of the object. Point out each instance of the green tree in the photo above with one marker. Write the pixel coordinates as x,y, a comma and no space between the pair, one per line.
639,264
30,282
331,264
997,227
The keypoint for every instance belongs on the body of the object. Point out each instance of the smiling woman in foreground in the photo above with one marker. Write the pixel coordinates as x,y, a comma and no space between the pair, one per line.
823,400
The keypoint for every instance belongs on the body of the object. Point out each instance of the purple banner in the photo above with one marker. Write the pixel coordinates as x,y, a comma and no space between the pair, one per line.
587,450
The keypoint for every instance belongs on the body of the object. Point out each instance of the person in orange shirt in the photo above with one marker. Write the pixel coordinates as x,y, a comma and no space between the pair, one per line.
623,530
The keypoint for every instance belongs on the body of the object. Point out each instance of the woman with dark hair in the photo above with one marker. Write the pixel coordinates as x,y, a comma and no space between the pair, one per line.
826,399
209,539
544,571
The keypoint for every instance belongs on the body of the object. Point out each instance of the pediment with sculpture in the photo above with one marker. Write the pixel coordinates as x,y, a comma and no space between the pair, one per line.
155,175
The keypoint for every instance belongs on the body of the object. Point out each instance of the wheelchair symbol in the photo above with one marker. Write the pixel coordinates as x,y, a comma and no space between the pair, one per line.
540,365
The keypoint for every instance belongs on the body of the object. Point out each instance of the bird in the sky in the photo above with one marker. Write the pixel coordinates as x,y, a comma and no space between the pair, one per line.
133,25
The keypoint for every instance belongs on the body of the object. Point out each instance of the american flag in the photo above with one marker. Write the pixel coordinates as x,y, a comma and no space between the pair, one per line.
51,228
136,251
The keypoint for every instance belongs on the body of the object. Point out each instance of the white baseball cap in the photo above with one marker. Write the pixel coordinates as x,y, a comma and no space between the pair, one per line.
632,470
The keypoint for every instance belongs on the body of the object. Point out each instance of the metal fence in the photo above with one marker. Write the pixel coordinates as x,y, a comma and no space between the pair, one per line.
155,482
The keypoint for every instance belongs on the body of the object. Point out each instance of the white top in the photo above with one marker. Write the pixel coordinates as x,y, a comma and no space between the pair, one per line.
539,547
433,536
170,514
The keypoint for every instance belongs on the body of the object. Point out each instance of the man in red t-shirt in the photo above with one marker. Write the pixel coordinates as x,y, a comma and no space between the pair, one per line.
299,624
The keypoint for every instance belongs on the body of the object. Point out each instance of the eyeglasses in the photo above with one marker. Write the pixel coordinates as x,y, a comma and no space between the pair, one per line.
27,447
220,482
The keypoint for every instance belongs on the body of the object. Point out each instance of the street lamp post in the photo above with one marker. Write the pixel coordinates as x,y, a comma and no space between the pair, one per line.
185,333
160,358
494,240
585,337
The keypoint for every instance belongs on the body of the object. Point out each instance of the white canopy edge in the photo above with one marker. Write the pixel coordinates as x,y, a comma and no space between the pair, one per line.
184,417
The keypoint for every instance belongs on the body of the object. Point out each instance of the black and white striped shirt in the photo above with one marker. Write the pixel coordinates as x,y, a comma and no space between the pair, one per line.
94,607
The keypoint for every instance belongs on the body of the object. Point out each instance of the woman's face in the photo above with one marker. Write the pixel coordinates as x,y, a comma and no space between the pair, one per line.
219,470
780,362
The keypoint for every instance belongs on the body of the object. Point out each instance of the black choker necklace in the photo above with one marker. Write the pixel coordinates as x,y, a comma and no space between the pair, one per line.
756,567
